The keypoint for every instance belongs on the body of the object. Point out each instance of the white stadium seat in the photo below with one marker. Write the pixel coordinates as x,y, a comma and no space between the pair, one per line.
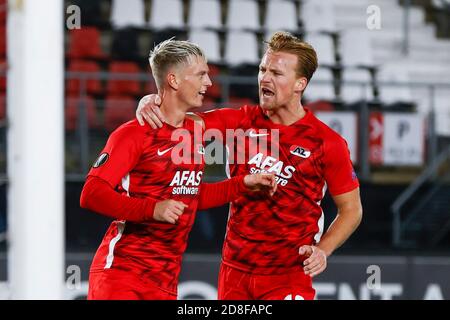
243,14
241,47
128,13
166,14
205,13
281,15
316,90
209,42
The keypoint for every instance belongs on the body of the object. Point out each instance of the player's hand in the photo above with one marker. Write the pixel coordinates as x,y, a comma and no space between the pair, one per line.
169,211
265,182
148,110
316,261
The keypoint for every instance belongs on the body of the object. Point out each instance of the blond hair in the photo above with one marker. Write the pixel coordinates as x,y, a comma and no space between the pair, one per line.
170,53
307,57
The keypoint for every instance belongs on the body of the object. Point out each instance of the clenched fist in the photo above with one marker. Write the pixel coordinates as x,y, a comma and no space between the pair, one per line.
316,261
168,211
261,182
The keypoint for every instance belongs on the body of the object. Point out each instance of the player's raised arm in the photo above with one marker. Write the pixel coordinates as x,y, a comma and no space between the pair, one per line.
221,118
148,111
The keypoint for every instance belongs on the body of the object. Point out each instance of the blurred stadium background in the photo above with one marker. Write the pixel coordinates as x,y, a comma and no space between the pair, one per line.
383,83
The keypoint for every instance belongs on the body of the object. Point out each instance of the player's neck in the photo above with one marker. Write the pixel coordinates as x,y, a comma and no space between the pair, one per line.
287,115
172,112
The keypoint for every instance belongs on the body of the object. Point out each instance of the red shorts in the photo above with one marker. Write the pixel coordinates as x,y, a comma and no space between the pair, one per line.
111,284
238,285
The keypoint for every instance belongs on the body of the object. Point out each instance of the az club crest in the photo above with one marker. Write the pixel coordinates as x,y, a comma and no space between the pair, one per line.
300,152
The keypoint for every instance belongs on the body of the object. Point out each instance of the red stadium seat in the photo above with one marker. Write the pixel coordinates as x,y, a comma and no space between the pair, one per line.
3,11
2,76
2,42
93,86
124,87
150,87
118,110
85,43
72,111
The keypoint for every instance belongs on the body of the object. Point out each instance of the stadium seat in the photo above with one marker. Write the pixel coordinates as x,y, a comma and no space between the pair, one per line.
128,13
198,18
323,45
357,60
93,85
85,43
160,17
244,90
242,14
209,42
3,11
125,45
351,93
123,87
150,87
320,86
2,83
281,15
391,94
2,42
91,13
241,47
356,48
317,16
118,110
71,113
164,34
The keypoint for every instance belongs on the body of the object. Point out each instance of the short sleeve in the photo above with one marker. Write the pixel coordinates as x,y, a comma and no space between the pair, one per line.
339,173
120,154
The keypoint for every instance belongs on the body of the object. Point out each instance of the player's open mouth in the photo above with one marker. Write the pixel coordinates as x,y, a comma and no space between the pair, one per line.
202,93
267,92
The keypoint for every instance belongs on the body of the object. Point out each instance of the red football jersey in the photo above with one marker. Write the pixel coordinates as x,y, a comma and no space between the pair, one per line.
264,233
142,162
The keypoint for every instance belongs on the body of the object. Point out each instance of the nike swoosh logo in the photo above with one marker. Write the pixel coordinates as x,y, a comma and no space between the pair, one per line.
160,153
253,134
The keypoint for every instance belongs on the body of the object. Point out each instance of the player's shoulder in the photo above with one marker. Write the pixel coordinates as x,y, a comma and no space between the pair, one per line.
190,116
132,128
251,109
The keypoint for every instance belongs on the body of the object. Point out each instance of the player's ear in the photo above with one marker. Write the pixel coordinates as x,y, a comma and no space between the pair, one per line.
172,80
300,84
